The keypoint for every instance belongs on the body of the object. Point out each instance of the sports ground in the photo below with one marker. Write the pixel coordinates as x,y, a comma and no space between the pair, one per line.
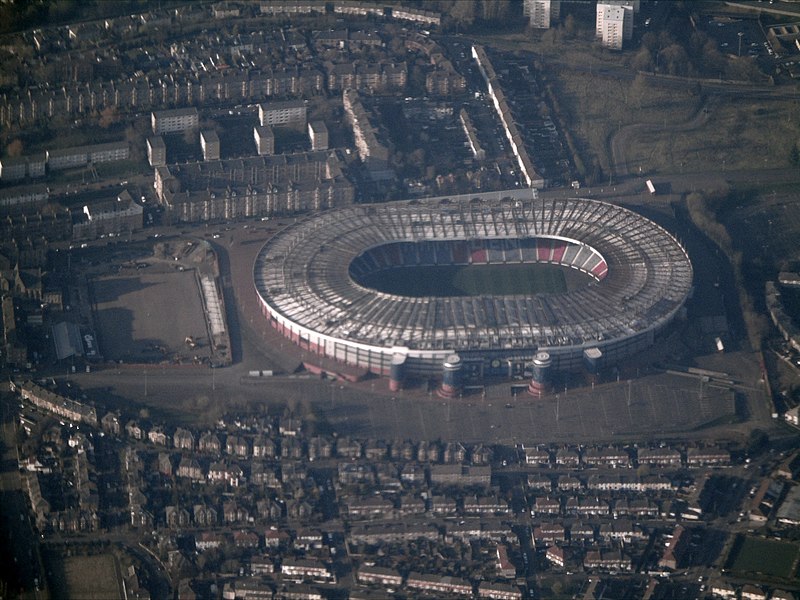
771,558
476,280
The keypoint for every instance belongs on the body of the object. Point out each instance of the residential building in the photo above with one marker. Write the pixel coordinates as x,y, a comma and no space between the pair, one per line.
171,121
379,576
372,153
607,10
379,533
611,25
722,589
158,436
674,548
13,168
568,458
465,475
110,423
568,483
544,505
752,592
789,511
204,516
606,457
183,439
261,565
56,404
708,456
504,567
548,534
318,134
121,215
609,560
79,156
439,583
16,168
542,13
537,457
291,113
555,555
792,416
209,143
209,442
23,198
498,591
190,469
540,482
663,457
206,540
265,140
156,151
369,507
303,569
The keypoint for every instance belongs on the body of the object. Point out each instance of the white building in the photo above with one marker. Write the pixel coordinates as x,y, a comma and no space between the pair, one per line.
318,134
156,151
289,113
611,24
179,119
265,140
542,13
209,142
792,416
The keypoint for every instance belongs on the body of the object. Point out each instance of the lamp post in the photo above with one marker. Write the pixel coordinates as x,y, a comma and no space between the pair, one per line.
741,34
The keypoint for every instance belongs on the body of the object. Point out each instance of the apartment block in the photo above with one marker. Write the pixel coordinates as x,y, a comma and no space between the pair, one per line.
287,114
318,134
542,13
614,24
156,151
209,142
265,140
171,121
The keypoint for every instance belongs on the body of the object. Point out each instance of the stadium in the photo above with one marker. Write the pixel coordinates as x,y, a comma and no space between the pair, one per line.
311,284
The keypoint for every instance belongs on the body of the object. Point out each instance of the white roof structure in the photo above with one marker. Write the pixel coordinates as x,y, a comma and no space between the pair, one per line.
639,277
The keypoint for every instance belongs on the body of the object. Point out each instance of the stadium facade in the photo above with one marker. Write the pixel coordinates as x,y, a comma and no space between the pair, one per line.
307,281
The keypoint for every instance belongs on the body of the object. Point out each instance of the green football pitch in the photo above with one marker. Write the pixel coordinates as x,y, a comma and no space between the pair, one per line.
476,280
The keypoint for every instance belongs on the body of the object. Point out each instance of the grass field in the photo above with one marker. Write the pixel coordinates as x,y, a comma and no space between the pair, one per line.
87,577
476,280
769,557
718,131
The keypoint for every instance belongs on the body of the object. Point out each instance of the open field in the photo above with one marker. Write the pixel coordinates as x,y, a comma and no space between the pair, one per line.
766,557
663,125
475,280
714,137
140,311
86,577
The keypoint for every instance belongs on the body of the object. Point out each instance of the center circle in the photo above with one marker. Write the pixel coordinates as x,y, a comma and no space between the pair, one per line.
457,268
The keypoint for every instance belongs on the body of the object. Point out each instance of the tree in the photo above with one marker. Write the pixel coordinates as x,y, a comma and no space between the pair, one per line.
108,116
463,13
711,59
569,25
676,59
494,10
14,148
758,442
638,90
650,41
643,61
